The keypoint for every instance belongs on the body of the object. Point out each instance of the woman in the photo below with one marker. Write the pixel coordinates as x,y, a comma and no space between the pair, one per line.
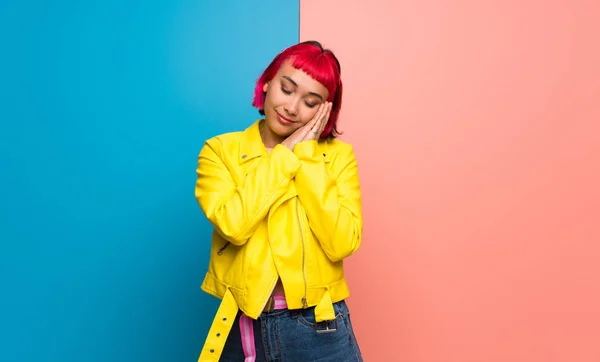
284,199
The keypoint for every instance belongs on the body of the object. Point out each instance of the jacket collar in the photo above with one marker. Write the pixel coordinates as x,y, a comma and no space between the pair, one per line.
251,145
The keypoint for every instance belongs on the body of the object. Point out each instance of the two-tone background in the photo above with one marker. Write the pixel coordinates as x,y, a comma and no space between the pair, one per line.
476,128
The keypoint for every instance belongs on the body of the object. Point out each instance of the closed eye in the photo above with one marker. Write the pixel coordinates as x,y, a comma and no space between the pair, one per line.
288,92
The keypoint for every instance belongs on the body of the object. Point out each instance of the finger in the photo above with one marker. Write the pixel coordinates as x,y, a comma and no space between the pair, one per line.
314,123
319,113
304,130
312,133
326,117
316,128
307,132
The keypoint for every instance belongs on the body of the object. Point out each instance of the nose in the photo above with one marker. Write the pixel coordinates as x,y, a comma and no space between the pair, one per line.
292,107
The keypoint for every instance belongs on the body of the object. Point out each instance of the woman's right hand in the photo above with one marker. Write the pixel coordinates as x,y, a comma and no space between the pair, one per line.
312,130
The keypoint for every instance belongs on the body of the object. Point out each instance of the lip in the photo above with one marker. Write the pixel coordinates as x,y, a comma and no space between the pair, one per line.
284,120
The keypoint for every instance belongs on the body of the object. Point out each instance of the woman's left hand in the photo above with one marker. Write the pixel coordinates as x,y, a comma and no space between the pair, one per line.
321,117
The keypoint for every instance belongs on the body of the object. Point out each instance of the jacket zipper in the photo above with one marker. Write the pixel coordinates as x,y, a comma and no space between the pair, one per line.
220,252
304,303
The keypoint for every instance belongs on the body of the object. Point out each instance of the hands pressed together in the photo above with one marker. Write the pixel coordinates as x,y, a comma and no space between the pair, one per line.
312,130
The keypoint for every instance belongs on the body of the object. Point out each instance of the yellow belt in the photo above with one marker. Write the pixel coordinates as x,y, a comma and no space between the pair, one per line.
225,317
220,328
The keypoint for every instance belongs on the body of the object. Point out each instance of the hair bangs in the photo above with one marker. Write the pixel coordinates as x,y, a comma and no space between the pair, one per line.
318,67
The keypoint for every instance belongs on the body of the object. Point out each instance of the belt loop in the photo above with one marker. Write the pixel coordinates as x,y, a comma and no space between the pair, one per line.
324,310
270,306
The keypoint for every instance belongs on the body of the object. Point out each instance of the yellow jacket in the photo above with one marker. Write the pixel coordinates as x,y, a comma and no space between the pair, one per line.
279,214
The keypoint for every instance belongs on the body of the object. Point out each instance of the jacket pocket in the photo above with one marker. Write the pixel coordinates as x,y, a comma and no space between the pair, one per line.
306,317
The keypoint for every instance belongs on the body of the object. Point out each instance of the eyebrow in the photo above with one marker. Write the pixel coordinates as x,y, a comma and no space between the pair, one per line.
296,84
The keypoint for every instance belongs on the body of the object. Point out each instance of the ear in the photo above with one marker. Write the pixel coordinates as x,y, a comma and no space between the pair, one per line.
265,87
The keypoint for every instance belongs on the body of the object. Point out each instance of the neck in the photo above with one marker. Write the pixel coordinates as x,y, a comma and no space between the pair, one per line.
269,138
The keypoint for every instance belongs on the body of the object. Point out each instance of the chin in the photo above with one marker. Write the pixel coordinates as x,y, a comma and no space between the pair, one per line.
278,128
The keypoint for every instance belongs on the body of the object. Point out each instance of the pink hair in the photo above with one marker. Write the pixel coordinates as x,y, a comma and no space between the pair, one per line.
320,64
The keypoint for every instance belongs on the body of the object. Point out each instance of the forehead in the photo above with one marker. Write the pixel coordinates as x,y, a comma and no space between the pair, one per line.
304,81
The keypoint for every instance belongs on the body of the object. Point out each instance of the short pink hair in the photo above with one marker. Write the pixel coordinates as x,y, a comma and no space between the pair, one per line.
319,63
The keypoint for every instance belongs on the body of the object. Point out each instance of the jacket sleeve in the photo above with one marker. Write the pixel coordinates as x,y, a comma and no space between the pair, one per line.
331,199
236,210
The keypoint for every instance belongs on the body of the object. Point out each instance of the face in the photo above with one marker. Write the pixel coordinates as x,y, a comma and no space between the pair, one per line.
292,99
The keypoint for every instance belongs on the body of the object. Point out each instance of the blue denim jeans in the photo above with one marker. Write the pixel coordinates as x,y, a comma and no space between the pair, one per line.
294,336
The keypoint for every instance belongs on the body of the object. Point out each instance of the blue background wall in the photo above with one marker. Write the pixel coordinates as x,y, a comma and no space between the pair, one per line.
104,108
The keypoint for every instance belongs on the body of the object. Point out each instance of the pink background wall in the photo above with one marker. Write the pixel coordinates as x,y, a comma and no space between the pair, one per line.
476,125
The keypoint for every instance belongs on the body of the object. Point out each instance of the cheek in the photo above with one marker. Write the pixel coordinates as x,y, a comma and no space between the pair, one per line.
268,100
308,114
272,98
